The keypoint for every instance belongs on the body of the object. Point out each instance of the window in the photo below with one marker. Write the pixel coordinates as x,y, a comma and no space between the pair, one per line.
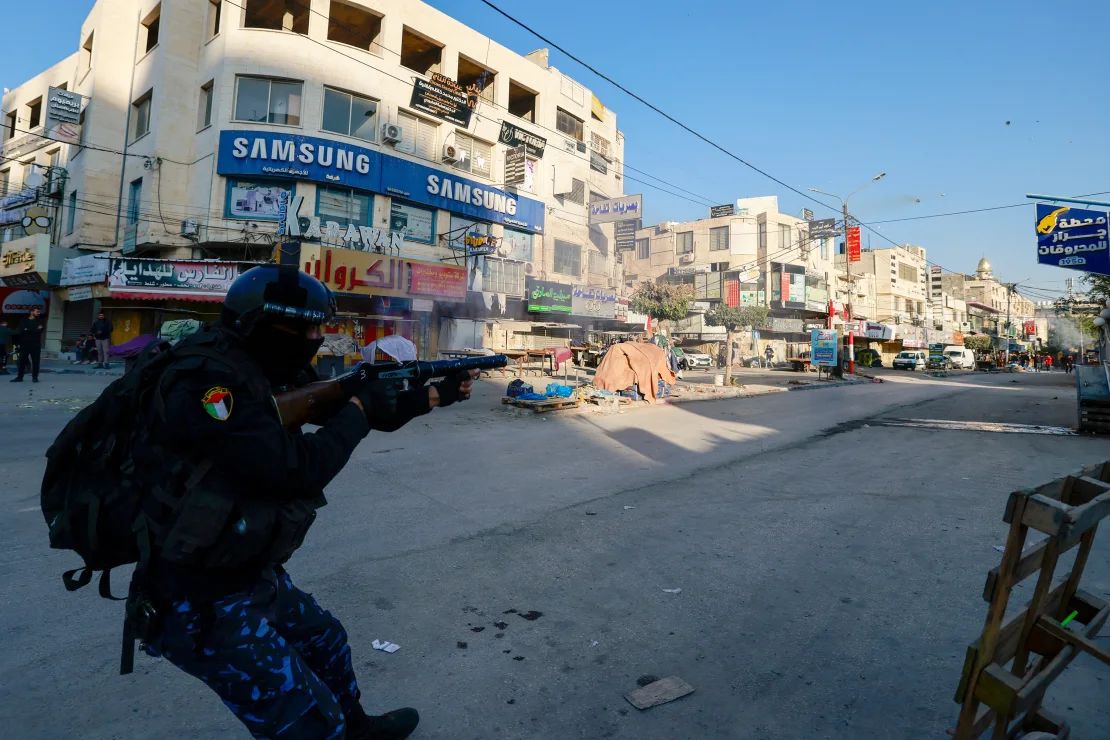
474,74
140,115
215,11
86,53
204,110
598,264
13,119
344,206
350,114
501,276
277,15
254,199
54,156
718,238
684,241
355,26
519,243
568,258
150,29
475,156
762,229
5,179
568,124
34,117
134,195
824,249
907,272
418,136
522,102
419,53
262,100
599,144
417,224
71,214
643,249
784,236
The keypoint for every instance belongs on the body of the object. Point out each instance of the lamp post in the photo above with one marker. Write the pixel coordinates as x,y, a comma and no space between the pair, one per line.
848,261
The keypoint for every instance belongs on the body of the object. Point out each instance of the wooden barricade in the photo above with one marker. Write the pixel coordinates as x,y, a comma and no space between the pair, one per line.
1010,667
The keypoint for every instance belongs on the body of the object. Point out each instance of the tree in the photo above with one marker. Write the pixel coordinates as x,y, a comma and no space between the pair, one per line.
1099,286
735,319
978,343
664,301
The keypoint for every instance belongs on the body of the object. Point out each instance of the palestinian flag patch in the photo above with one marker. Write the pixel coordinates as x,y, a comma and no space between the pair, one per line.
217,403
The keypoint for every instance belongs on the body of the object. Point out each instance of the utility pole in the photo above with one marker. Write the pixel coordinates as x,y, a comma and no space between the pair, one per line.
1009,290
851,294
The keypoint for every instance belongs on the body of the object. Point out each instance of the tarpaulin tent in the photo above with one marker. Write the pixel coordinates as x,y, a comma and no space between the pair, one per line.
634,363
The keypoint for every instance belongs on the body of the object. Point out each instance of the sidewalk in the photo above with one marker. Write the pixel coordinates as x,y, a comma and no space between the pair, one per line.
65,367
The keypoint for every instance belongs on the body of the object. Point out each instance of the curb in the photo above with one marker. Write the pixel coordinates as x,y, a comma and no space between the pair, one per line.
837,384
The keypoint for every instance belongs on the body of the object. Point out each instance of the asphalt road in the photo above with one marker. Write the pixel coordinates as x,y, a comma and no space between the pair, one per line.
830,563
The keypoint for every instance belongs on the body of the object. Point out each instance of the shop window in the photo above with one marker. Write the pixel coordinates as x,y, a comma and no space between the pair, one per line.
501,276
570,125
643,249
215,12
522,102
255,200
350,114
263,100
86,53
134,197
519,244
417,224
277,15
354,25
34,113
149,32
481,78
418,136
684,242
419,53
140,115
460,227
204,109
71,212
10,126
718,239
344,206
568,258
477,156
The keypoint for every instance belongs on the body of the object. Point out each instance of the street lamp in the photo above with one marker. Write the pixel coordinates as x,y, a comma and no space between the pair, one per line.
848,261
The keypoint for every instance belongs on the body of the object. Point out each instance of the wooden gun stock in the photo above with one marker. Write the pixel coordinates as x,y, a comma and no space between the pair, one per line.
310,404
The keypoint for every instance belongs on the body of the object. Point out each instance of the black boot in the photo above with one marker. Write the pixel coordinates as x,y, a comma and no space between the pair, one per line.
395,725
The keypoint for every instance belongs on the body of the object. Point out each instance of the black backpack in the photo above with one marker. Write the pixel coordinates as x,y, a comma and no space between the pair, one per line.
92,492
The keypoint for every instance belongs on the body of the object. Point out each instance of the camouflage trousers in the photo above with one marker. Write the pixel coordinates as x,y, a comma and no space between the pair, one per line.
276,659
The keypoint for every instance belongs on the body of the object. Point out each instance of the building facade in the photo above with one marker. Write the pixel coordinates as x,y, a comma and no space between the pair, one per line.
428,174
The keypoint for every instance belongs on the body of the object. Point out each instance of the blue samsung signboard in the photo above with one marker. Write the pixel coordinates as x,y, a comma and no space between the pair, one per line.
293,157
1074,238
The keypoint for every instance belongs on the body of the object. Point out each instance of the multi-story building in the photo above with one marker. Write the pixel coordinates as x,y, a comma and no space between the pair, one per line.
990,304
902,314
425,172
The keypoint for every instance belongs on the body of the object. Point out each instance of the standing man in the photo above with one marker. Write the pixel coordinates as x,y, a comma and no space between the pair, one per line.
102,333
228,611
769,353
29,339
5,346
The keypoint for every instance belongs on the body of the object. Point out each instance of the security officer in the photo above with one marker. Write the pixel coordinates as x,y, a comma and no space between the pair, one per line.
227,611
29,339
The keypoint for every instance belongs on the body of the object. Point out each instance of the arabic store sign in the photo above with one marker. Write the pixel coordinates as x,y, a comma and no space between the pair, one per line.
293,157
823,347
167,276
363,273
597,302
365,238
84,270
548,297
514,136
1073,237
616,209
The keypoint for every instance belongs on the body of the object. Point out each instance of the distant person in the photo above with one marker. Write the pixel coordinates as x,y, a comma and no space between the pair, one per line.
102,333
79,350
30,345
1069,364
769,354
1048,363
88,350
5,346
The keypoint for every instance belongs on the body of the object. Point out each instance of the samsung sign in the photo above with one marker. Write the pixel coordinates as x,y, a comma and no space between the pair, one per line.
292,157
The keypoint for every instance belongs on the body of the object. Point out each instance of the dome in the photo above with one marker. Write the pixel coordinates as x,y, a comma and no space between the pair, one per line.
984,266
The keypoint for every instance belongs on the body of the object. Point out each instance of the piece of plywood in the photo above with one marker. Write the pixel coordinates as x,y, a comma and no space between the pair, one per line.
660,692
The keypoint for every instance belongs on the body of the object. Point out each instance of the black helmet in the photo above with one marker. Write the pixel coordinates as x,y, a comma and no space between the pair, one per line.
278,292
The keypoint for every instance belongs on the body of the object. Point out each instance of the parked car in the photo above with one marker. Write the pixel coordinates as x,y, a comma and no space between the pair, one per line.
869,358
694,361
938,362
961,357
910,360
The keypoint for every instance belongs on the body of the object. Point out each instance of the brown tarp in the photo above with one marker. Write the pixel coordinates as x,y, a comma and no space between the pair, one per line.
634,363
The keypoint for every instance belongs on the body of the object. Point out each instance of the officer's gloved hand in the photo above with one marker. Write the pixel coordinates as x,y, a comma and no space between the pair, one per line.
379,402
454,388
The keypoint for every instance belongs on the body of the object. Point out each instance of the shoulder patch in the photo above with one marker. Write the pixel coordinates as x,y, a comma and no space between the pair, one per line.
217,402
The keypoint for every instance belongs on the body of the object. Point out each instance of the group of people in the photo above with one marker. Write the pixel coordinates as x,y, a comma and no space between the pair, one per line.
1046,362
27,335
94,346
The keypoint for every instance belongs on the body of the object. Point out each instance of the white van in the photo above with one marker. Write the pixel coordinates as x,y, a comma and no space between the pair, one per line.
960,357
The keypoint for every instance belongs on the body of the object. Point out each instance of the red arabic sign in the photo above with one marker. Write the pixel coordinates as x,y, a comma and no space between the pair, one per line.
732,293
366,273
437,281
853,244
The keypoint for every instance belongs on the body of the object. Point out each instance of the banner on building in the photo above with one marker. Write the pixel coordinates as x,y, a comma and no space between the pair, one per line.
823,228
543,296
853,244
624,233
63,115
1075,238
823,347
368,273
443,98
170,277
785,326
514,136
728,209
599,303
1030,328
623,208
516,161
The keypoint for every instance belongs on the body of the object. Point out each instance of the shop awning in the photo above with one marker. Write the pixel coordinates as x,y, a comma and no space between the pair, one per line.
167,295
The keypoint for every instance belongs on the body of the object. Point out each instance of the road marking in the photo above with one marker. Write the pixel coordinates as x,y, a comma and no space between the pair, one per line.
29,508
977,426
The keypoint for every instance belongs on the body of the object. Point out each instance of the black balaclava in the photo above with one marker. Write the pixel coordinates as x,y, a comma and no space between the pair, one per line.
281,353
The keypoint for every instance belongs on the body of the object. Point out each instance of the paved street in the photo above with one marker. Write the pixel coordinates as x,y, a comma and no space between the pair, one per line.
830,566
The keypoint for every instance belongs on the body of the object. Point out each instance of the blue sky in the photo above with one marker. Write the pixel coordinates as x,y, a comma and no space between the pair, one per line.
964,104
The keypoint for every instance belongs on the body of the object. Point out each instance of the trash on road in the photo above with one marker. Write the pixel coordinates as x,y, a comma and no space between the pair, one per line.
629,507
672,590
659,692
385,646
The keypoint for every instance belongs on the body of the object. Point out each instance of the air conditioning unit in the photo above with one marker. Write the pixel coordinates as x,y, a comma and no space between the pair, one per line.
529,268
686,259
392,133
452,154
189,227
